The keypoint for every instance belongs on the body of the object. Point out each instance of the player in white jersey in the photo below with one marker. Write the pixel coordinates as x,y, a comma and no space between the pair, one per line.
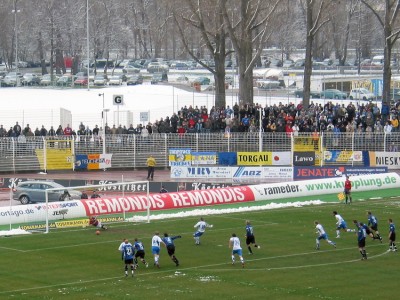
341,224
234,243
201,228
156,242
322,235
121,248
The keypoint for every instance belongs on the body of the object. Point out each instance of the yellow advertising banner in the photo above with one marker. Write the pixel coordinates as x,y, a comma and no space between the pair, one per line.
254,158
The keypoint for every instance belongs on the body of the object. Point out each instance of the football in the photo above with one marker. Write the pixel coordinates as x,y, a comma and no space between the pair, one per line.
97,232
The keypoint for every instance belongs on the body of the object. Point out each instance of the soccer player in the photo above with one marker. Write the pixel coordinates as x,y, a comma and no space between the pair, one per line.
250,238
234,243
156,242
361,235
368,230
128,251
392,236
169,242
373,223
120,248
322,235
139,253
201,228
347,190
96,223
340,224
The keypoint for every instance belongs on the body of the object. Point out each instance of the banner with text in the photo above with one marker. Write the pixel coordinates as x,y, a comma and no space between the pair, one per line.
204,158
263,158
92,161
337,156
180,157
388,159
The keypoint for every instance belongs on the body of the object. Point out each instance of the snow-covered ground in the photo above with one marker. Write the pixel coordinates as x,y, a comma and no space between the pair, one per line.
199,212
41,106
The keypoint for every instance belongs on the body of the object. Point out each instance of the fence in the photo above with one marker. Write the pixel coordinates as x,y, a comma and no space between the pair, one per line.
131,151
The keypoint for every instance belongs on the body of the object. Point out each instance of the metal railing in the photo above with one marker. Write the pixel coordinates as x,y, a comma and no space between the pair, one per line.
131,151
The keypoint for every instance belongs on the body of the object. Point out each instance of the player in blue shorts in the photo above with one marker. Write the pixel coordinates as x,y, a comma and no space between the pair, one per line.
322,235
201,228
234,243
155,248
340,224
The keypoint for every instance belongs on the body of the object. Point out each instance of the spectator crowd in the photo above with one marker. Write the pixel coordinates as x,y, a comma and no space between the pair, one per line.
289,118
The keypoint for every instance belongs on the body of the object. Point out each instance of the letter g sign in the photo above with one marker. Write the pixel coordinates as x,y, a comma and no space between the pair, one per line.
118,99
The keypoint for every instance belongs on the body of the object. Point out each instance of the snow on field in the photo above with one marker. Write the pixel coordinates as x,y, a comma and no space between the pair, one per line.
200,212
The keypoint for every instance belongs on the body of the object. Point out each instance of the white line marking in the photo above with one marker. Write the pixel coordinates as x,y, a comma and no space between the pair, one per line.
207,268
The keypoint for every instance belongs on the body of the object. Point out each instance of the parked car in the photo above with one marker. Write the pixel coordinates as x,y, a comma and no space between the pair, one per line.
65,80
180,65
299,63
83,80
135,79
30,79
100,80
10,80
47,79
288,63
34,191
131,68
115,80
313,94
333,94
361,94
159,77
157,67
201,80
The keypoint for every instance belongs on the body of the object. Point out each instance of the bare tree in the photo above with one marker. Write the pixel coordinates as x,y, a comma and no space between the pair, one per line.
316,16
250,31
387,14
209,22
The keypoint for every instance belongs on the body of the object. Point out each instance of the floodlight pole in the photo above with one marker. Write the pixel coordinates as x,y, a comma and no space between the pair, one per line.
87,42
15,11
103,135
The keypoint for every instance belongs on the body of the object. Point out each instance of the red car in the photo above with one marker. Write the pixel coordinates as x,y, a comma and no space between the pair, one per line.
81,81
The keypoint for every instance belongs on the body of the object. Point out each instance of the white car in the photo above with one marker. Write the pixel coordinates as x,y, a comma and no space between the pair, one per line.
361,94
115,80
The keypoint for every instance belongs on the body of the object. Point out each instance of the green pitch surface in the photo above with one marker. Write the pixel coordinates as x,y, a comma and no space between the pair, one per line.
78,264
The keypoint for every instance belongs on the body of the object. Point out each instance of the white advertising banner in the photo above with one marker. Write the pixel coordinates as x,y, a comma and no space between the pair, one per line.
201,172
386,159
58,211
246,172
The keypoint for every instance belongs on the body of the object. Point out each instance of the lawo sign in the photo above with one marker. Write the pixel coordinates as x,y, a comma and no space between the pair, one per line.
304,158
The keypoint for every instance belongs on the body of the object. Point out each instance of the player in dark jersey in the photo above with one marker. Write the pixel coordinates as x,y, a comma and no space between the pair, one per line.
250,238
373,224
392,236
361,235
169,242
139,253
129,252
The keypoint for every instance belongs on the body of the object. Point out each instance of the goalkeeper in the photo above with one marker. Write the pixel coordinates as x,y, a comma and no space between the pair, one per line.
96,223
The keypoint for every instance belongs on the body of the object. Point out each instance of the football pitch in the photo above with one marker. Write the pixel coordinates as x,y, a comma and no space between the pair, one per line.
78,264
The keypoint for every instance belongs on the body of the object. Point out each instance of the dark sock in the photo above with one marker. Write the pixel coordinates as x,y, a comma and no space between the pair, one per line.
249,249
